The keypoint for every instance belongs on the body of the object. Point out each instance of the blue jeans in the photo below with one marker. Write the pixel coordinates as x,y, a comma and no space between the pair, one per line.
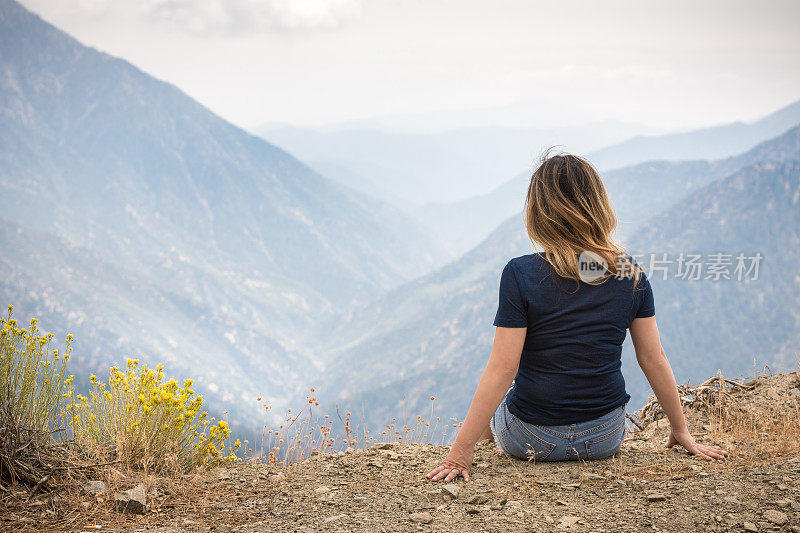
595,439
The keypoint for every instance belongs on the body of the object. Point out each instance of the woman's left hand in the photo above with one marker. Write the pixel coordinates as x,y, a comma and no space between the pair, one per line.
457,463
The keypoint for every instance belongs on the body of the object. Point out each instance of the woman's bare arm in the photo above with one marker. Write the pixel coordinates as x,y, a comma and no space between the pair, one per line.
497,377
653,362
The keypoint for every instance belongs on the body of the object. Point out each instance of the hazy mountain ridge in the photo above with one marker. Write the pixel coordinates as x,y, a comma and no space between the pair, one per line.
715,142
433,336
237,246
756,210
412,169
465,224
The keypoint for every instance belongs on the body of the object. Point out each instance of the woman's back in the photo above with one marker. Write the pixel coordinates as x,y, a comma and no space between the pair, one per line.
569,371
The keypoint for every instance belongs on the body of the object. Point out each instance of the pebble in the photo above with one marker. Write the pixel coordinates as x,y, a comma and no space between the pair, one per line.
472,510
391,454
749,526
568,521
512,504
776,517
784,503
334,518
277,478
450,490
322,489
656,497
478,499
133,501
422,518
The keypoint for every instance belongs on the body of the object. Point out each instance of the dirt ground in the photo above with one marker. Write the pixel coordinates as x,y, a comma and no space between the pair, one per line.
646,488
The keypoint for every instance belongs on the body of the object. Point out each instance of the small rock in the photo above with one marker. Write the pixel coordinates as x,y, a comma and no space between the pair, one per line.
334,518
482,465
450,490
656,497
472,510
391,454
562,502
322,489
732,499
784,503
572,486
133,501
568,521
382,446
513,504
95,487
223,474
86,505
422,518
277,478
776,517
749,526
781,486
478,499
223,529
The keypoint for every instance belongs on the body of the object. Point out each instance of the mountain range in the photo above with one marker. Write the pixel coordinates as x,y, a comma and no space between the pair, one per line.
461,166
203,246
413,169
462,225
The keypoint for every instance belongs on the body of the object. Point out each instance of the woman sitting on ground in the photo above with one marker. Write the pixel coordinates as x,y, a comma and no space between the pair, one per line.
560,324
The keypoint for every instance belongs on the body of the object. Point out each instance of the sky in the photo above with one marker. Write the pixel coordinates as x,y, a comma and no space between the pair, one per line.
422,64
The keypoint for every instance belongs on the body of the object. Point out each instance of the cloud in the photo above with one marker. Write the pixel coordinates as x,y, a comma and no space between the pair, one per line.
247,16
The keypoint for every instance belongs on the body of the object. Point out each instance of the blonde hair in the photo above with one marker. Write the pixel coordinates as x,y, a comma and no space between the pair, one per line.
568,212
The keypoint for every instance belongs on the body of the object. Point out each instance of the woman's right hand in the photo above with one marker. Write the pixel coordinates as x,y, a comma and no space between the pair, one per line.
685,439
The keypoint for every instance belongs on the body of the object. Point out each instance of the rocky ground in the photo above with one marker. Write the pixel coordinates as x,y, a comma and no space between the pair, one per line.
646,488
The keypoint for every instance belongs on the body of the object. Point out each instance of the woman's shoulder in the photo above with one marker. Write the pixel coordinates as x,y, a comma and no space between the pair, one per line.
530,264
528,259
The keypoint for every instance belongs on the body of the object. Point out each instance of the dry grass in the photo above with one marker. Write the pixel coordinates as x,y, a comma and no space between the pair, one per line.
296,436
756,423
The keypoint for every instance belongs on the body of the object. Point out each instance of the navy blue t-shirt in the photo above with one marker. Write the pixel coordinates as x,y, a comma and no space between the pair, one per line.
570,369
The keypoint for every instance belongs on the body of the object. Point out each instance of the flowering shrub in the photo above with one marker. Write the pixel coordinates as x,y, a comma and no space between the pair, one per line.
148,422
32,379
